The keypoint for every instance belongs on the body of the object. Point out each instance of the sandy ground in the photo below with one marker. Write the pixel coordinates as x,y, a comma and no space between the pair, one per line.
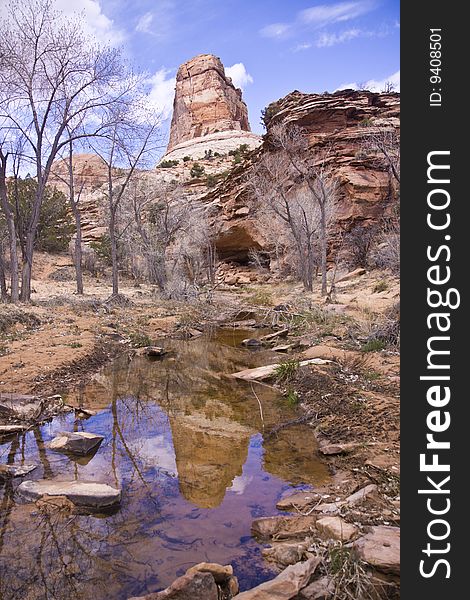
60,331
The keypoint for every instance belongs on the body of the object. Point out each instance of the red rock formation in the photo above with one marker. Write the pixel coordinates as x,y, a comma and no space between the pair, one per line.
206,101
342,120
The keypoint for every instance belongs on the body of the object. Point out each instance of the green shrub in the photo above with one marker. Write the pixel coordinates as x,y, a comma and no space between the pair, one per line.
186,158
167,164
55,226
197,171
374,345
102,249
211,181
380,286
286,370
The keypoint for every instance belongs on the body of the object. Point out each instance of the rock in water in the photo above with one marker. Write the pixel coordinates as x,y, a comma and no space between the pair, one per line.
192,586
8,471
286,585
76,442
220,573
88,494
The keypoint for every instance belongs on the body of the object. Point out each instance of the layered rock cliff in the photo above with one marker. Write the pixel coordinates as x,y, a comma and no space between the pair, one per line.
343,121
208,111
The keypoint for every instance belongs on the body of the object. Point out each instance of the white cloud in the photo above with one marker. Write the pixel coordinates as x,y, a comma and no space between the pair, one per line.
326,40
300,47
239,75
319,16
144,23
276,30
375,85
162,92
96,23
325,14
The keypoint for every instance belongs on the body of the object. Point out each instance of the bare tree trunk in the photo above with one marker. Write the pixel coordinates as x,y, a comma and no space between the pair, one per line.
10,220
114,254
77,255
27,269
324,249
3,282
78,250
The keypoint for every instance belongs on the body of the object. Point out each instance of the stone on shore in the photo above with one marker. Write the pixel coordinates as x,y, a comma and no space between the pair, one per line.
76,442
286,585
336,528
299,501
380,548
82,493
192,586
220,573
295,526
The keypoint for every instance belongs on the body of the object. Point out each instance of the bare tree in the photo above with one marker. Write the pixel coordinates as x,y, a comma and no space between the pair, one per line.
51,77
171,234
127,140
384,142
11,227
315,182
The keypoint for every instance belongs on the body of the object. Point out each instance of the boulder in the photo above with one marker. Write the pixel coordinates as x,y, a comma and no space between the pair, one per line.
220,573
9,471
20,407
286,585
154,351
192,586
76,442
380,548
251,343
362,494
299,501
336,528
295,526
320,589
333,449
286,553
82,493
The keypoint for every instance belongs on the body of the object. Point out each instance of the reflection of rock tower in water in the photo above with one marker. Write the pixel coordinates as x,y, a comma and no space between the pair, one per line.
210,453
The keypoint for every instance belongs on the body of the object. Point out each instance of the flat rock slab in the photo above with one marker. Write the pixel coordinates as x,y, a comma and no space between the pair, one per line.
76,442
194,586
380,548
321,589
288,527
12,429
362,494
286,585
299,501
260,373
336,528
286,553
9,471
81,493
21,407
221,573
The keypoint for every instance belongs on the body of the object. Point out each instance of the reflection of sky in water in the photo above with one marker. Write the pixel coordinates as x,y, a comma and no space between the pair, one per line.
189,492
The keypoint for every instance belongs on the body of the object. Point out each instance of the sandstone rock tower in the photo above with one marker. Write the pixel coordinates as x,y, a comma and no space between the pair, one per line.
208,110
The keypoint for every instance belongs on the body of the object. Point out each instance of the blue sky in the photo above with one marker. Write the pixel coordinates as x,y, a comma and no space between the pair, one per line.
270,47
